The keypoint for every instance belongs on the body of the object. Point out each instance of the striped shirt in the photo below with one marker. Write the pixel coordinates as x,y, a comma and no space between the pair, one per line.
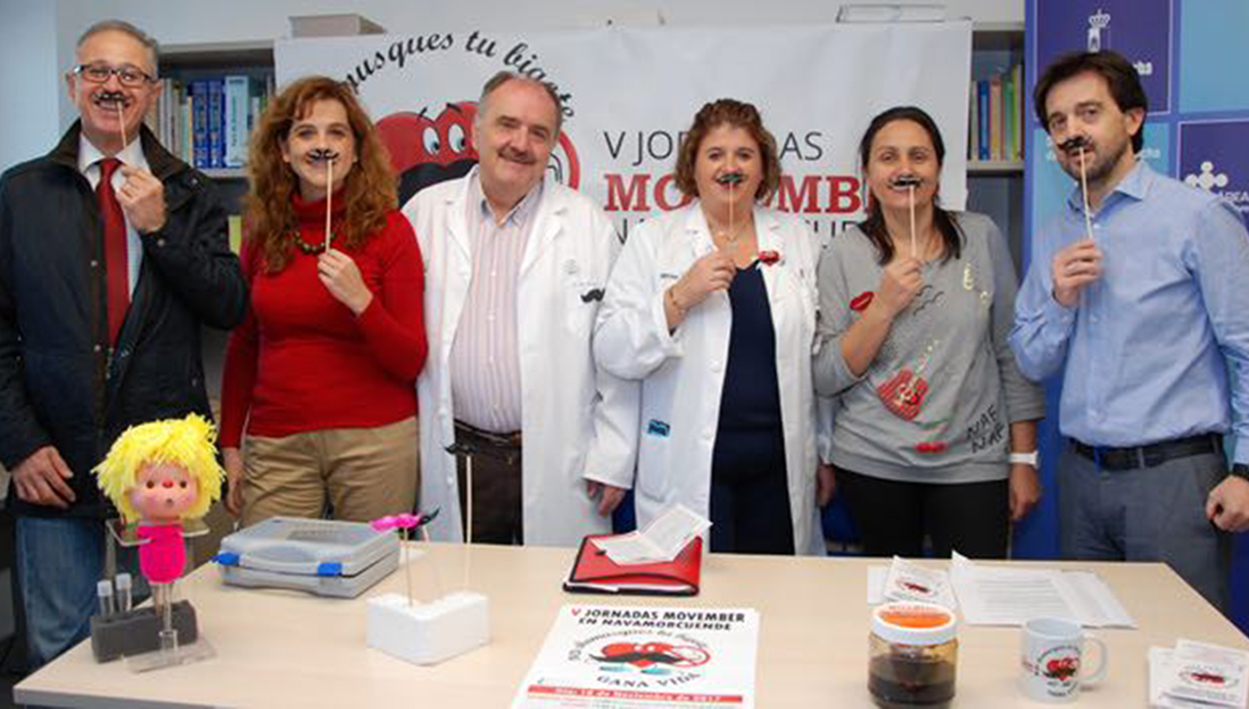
485,357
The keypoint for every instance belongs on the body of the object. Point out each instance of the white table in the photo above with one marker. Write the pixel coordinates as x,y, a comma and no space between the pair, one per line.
278,648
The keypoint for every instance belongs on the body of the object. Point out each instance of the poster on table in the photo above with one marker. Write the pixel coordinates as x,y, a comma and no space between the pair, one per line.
629,94
623,657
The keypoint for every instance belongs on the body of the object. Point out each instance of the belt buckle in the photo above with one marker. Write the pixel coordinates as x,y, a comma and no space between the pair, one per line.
1155,457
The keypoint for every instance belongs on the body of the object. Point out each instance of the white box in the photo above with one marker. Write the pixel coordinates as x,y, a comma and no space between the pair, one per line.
428,633
333,25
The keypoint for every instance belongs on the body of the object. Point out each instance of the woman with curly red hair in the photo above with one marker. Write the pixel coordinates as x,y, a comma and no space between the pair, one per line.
321,373
711,308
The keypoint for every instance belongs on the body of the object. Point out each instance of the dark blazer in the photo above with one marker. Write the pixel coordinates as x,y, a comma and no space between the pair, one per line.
61,383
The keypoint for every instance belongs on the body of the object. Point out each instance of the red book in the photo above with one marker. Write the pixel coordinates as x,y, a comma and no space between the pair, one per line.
595,572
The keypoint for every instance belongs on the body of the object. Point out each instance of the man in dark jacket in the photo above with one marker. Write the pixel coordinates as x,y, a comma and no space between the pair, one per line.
112,254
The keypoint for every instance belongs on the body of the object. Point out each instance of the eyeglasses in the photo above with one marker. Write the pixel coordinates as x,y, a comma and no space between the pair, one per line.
129,76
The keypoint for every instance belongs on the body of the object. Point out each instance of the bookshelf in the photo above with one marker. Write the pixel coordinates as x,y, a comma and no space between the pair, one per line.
185,63
181,65
997,61
995,187
992,168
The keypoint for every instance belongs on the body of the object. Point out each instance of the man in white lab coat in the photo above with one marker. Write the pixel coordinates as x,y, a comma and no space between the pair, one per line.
515,267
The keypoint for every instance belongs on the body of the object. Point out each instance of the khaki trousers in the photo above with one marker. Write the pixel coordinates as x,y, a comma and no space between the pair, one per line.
363,473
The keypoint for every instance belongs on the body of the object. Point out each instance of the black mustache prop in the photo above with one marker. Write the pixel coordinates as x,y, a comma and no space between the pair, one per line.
1074,144
322,154
592,295
731,178
907,181
111,97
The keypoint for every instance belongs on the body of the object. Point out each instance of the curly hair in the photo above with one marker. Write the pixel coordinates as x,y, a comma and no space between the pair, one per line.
369,192
738,114
189,443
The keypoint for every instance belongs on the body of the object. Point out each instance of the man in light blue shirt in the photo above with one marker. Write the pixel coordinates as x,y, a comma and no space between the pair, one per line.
1137,296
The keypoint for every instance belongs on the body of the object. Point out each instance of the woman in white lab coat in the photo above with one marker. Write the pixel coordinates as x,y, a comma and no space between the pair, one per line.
712,307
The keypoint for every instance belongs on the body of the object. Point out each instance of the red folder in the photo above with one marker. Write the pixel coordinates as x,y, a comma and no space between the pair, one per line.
595,572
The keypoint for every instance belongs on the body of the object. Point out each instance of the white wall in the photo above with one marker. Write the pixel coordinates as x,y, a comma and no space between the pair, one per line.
29,115
37,36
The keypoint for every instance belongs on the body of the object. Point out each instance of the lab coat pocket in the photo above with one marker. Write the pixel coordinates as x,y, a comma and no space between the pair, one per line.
653,457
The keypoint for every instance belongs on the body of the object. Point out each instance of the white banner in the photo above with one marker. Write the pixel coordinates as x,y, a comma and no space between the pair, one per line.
629,93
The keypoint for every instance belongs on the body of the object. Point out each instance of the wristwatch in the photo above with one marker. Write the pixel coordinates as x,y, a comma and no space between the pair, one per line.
1240,470
1032,459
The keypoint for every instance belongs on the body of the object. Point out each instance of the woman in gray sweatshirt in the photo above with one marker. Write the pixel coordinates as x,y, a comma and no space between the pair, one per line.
935,429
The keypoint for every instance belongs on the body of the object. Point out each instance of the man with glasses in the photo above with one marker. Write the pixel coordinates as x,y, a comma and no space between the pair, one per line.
113,253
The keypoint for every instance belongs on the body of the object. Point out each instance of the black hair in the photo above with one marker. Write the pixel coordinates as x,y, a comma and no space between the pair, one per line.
1121,77
874,226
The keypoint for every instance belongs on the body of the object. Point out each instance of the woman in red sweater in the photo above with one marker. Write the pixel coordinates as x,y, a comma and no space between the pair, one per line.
322,371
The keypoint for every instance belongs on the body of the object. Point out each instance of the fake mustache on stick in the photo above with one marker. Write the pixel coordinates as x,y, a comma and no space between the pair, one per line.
731,178
322,154
907,181
1074,144
113,97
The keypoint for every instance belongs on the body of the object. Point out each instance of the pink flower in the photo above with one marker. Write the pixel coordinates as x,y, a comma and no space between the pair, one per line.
400,521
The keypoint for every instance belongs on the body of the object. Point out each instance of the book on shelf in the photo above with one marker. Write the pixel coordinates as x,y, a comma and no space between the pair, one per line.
207,121
1016,75
973,123
996,110
201,101
982,100
995,116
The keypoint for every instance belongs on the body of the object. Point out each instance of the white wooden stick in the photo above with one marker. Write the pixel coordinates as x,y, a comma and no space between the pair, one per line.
405,540
121,121
914,250
468,549
437,576
1084,190
329,198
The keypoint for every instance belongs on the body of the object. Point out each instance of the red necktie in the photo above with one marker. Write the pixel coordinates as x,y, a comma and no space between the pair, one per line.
115,257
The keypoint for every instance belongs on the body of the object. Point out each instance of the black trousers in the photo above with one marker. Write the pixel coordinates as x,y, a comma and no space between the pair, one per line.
894,517
750,493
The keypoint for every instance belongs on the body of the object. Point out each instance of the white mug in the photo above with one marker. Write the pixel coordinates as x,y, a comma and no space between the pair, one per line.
1052,660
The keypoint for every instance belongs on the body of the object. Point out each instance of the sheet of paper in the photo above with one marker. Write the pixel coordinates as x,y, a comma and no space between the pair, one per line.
1160,668
1208,673
621,657
876,584
997,595
661,540
908,581
1099,608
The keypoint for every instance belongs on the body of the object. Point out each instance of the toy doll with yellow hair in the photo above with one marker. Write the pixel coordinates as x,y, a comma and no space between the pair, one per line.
159,475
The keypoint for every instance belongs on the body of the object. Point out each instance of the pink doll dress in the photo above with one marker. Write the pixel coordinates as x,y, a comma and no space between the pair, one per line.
163,557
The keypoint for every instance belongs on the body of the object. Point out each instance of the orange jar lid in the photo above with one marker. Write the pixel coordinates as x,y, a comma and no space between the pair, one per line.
914,623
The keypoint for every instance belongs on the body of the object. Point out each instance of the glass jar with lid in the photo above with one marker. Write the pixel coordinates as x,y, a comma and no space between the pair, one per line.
913,655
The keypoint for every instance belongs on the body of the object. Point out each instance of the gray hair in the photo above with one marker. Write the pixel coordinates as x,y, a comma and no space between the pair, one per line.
125,28
504,77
